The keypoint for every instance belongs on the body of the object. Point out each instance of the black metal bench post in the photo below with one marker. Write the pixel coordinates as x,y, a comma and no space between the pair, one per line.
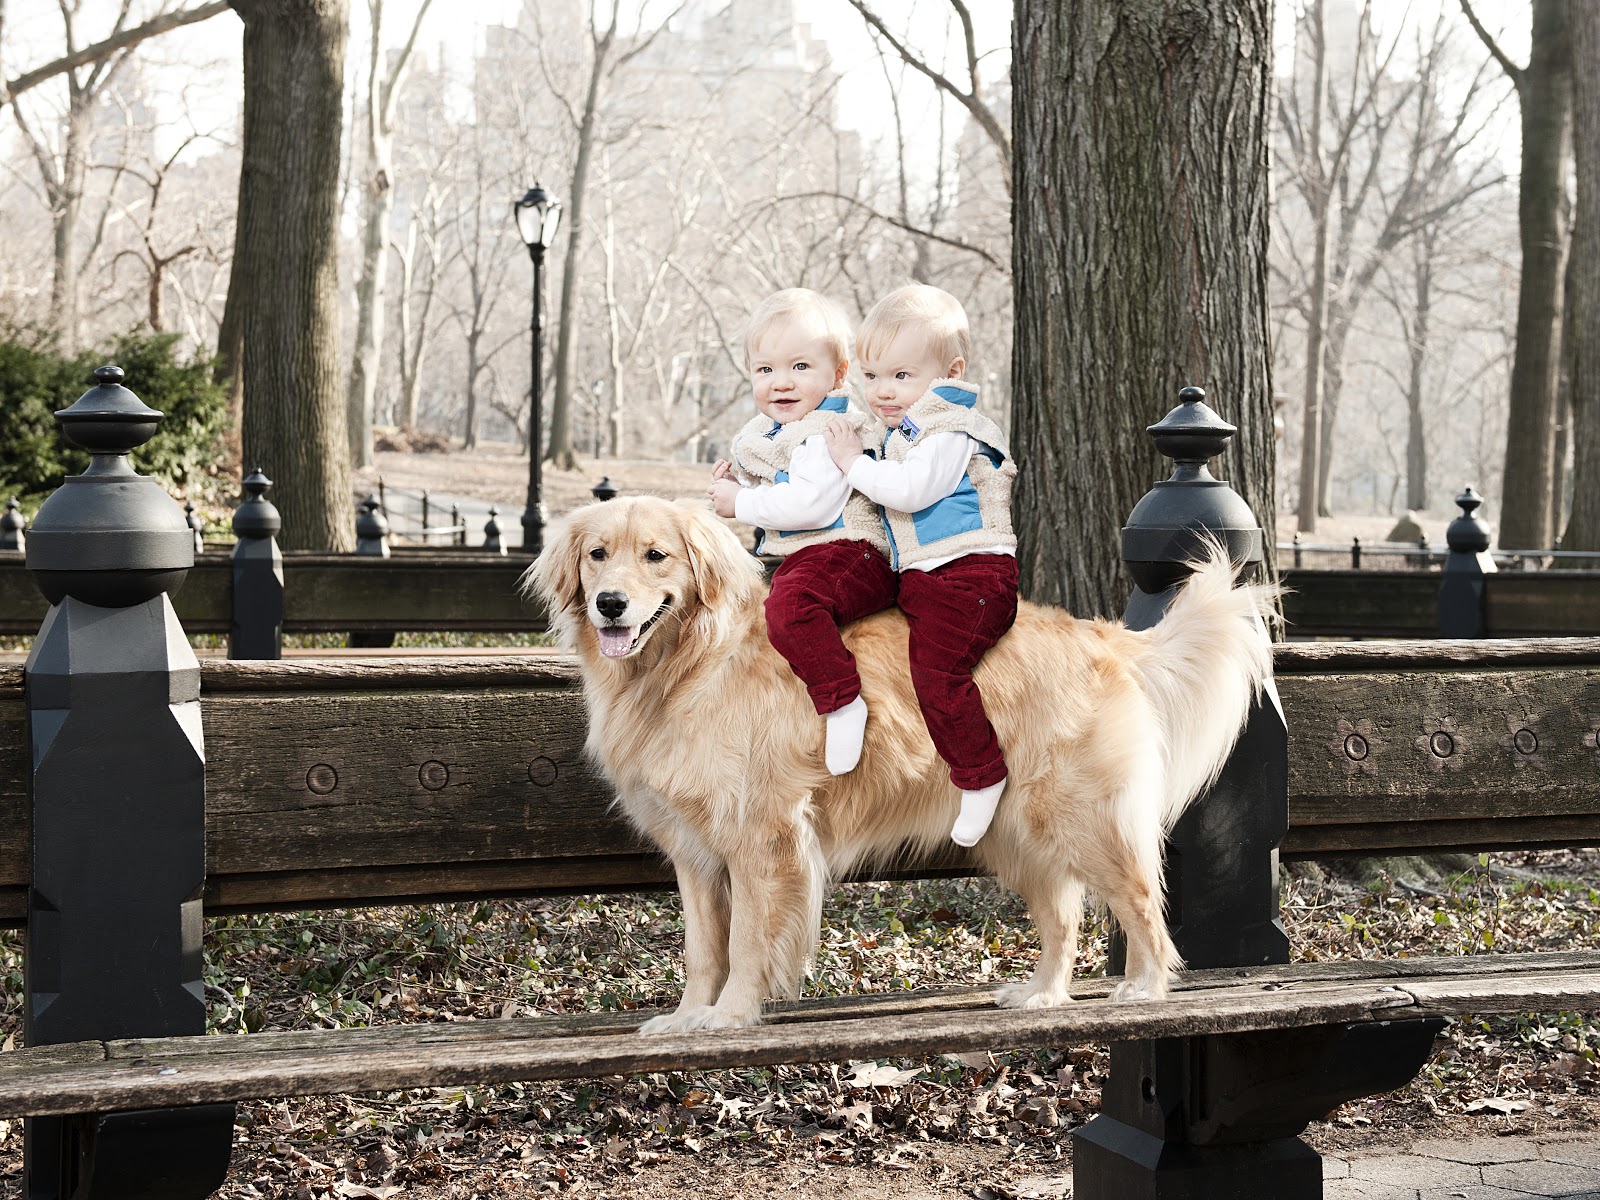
1206,1117
1461,613
117,810
372,541
257,629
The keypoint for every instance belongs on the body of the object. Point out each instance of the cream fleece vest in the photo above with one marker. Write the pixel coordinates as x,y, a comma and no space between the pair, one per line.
761,453
977,515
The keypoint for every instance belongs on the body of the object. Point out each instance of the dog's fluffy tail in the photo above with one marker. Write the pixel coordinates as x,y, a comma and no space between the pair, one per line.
1203,666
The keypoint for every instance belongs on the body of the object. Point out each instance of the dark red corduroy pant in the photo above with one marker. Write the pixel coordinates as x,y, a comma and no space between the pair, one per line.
814,591
956,612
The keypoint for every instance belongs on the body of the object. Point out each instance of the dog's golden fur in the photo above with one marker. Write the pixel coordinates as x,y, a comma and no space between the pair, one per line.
716,751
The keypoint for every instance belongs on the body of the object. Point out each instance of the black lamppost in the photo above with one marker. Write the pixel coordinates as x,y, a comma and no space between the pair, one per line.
538,215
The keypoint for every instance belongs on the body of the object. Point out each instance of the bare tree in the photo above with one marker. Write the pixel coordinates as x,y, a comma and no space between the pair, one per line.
610,50
63,164
1583,329
478,260
377,205
1403,161
1544,88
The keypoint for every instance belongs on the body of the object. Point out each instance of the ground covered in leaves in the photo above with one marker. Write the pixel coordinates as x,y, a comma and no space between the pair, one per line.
977,1125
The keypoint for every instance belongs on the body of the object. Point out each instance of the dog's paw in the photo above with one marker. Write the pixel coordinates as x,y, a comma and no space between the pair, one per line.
1026,995
676,1022
1138,989
712,1017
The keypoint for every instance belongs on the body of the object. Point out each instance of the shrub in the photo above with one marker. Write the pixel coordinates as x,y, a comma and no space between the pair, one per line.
36,380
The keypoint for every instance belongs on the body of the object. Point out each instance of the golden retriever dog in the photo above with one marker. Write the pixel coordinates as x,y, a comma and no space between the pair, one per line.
716,751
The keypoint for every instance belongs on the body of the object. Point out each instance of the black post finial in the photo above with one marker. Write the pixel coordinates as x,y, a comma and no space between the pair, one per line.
13,529
1468,533
491,533
372,530
1165,530
604,490
154,546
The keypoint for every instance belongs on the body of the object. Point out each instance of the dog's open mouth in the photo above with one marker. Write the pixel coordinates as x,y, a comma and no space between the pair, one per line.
619,641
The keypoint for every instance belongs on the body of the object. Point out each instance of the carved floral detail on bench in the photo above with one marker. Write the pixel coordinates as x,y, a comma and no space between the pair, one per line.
1441,744
1524,742
1356,747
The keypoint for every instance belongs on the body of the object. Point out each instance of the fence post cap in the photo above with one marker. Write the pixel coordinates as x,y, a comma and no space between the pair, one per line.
256,516
1167,527
1468,533
110,536
604,490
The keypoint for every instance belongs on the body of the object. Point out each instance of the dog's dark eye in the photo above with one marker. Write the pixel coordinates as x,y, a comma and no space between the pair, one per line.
598,553
656,555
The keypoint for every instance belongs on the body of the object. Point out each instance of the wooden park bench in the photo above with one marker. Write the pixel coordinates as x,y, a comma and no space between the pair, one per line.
144,789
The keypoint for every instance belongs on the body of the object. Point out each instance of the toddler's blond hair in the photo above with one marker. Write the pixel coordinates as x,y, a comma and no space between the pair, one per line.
793,303
936,314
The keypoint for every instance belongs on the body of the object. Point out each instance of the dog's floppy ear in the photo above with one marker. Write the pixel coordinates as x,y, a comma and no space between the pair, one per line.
725,574
554,576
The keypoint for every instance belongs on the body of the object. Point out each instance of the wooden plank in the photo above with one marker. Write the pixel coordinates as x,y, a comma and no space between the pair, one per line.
432,795
155,1079
1577,991
1416,837
1531,603
1378,603
467,590
427,591
1296,658
1445,745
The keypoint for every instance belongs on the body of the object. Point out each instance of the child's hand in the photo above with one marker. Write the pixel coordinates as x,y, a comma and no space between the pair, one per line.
844,445
723,469
723,493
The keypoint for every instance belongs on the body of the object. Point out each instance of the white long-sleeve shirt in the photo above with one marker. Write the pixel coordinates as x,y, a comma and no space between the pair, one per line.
932,470
812,498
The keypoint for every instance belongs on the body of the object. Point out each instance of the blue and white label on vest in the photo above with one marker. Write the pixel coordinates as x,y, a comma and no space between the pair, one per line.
908,427
776,429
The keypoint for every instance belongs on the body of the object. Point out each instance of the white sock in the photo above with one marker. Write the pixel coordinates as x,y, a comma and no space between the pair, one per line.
847,727
977,810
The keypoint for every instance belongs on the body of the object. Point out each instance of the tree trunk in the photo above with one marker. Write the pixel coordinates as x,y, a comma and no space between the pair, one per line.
66,204
558,450
1308,506
1416,441
378,205
1140,257
1546,94
294,412
469,433
1583,328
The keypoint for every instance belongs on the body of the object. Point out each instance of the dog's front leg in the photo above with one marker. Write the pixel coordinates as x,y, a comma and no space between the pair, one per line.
705,948
776,891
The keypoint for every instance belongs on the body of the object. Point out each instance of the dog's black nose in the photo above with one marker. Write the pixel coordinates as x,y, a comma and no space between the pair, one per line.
611,604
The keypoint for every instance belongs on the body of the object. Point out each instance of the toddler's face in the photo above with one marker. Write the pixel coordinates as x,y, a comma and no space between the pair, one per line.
792,370
898,374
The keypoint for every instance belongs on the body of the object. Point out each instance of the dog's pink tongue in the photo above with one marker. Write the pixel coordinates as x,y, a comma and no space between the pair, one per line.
616,641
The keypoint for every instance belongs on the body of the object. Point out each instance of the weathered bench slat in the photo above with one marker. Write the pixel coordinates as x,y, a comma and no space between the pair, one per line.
127,1074
337,782
334,1066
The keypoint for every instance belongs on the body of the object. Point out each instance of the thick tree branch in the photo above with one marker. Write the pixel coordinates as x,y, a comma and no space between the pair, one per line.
955,243
118,41
1516,73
